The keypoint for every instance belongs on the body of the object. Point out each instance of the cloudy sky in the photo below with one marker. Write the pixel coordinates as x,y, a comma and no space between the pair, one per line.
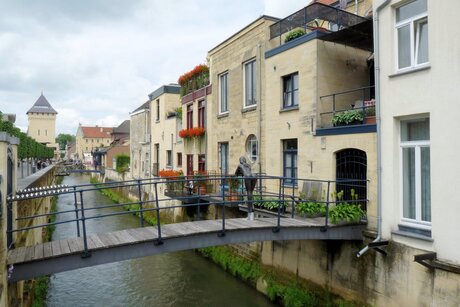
97,60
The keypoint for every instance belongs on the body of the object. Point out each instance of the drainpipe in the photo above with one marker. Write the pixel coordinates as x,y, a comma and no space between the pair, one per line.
379,133
259,132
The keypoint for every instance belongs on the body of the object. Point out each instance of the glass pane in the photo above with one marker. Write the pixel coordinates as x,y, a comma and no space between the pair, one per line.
296,98
296,81
288,161
422,51
415,130
404,47
409,183
253,80
294,157
426,184
411,9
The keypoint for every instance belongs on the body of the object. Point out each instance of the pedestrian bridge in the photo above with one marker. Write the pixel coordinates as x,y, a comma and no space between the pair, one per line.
86,250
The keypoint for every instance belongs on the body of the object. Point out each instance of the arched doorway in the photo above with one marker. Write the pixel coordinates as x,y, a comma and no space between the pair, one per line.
351,174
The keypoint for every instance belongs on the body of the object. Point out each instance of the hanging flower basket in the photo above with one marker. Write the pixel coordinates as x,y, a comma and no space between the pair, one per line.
194,132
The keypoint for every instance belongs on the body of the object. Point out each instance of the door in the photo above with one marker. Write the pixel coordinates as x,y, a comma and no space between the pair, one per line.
351,175
189,165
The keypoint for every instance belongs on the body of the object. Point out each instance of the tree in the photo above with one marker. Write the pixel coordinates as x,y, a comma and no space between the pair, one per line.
64,139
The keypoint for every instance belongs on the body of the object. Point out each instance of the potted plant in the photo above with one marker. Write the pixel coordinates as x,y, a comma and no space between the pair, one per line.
294,34
349,117
369,115
234,186
311,209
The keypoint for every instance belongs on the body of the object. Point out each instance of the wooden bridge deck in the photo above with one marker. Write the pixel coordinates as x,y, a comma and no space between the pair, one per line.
63,255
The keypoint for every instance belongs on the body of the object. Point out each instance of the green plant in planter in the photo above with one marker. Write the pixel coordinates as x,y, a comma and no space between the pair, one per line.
234,184
370,111
346,212
294,34
311,208
269,203
348,117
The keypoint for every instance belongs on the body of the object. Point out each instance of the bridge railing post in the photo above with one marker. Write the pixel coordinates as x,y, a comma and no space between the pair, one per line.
83,223
159,240
327,206
278,225
76,209
9,225
293,202
223,182
141,210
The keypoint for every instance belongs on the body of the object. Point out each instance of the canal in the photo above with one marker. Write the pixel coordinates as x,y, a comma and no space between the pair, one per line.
174,279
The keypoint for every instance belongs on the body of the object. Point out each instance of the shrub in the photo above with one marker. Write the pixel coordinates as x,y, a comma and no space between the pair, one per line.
311,208
346,212
294,34
347,117
122,163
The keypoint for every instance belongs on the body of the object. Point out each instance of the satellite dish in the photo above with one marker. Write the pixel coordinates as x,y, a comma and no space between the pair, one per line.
343,4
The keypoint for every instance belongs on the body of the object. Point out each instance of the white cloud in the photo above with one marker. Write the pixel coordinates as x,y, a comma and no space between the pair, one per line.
97,60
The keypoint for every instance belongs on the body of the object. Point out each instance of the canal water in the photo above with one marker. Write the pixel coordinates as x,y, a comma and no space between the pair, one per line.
174,279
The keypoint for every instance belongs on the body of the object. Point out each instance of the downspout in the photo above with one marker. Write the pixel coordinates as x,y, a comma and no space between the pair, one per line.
206,127
259,132
378,121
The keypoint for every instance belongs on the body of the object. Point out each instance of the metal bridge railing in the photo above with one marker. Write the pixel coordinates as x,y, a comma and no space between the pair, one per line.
283,200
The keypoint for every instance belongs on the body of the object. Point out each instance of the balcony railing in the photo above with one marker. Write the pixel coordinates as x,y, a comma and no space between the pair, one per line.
352,107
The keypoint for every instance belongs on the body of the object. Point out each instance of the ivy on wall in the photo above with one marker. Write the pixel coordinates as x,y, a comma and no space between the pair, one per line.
28,147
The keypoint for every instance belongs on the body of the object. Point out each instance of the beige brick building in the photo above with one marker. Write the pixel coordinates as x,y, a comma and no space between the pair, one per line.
89,138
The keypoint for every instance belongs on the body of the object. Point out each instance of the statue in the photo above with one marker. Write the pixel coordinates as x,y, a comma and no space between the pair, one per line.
244,169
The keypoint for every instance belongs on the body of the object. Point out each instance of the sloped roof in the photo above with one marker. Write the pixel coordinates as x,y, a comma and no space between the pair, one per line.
42,106
144,106
122,128
97,132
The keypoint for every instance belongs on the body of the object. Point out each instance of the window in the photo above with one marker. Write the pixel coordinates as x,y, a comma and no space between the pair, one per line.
168,158
250,83
201,163
291,90
223,93
290,161
416,186
86,141
251,147
201,113
223,158
158,110
179,159
189,116
412,34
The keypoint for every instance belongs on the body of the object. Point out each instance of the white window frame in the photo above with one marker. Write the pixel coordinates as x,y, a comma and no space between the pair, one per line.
225,74
252,138
414,41
245,66
417,145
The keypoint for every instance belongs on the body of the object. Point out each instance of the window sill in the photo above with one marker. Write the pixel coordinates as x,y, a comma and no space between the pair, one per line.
222,115
248,109
287,109
412,232
410,70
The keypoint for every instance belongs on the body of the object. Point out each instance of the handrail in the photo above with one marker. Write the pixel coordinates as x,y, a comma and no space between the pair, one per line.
285,194
348,91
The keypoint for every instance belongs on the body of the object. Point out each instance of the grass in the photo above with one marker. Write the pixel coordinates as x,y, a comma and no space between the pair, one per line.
282,287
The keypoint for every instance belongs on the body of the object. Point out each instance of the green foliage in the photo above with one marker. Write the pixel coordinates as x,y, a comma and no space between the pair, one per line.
122,163
28,147
294,34
234,183
346,212
63,139
348,117
311,208
370,111
111,194
269,203
243,268
40,289
178,111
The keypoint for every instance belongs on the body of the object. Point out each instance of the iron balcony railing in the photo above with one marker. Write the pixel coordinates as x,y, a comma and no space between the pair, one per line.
337,108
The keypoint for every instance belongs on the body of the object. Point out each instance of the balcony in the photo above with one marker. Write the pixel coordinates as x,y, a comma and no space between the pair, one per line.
347,112
326,23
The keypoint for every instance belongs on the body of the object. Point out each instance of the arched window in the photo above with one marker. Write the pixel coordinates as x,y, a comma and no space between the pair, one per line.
351,175
251,148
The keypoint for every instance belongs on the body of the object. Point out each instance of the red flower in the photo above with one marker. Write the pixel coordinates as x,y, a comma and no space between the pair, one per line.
195,72
170,174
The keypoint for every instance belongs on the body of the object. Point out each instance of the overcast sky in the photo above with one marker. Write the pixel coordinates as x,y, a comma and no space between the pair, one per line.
97,60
